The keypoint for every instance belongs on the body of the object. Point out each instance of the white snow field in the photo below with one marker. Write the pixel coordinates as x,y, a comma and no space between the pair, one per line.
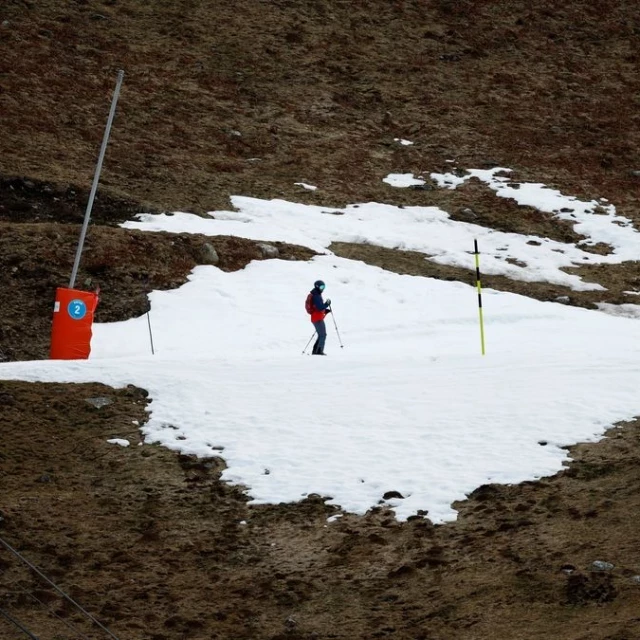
405,401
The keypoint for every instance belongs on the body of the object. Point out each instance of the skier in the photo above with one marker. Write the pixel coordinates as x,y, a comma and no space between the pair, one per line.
318,309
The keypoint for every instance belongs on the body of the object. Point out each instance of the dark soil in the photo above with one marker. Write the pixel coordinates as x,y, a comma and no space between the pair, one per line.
155,546
249,98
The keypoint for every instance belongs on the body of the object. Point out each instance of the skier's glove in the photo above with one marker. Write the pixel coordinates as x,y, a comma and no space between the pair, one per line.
328,302
327,311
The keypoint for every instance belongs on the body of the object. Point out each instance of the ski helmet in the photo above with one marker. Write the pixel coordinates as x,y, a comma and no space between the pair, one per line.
319,284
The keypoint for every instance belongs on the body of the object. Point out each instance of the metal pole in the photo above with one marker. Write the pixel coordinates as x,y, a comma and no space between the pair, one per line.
150,333
96,178
479,287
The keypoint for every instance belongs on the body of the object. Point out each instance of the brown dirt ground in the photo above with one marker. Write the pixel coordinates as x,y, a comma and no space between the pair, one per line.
248,98
152,543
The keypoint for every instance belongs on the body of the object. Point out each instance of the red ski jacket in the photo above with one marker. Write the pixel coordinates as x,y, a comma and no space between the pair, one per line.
319,306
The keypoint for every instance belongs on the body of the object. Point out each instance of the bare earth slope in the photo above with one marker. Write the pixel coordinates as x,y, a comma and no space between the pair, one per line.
249,98
157,548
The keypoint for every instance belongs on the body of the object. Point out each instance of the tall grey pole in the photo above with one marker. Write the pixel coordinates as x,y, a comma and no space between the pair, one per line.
150,333
96,178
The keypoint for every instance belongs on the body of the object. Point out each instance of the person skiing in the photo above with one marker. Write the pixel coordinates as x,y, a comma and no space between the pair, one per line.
318,309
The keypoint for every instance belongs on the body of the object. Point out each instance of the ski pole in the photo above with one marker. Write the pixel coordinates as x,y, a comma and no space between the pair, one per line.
308,343
150,333
337,332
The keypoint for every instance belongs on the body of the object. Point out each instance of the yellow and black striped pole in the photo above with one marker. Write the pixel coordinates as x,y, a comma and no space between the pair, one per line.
479,286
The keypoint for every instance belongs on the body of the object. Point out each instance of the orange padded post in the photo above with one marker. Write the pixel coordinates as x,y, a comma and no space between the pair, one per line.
72,320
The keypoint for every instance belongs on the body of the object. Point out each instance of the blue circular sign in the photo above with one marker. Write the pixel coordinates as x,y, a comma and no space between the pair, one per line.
77,309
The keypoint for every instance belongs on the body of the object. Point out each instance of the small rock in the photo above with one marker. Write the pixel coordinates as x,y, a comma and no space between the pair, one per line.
601,565
634,173
563,299
390,495
209,255
290,622
636,579
268,250
467,213
98,402
421,187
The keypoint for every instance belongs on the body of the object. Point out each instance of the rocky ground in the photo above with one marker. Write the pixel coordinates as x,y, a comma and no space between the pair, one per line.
249,98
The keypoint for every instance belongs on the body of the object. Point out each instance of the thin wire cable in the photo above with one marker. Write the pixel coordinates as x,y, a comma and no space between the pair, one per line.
17,624
53,613
60,591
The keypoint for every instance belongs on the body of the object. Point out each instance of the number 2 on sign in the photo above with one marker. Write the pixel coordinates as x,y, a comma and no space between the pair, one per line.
77,309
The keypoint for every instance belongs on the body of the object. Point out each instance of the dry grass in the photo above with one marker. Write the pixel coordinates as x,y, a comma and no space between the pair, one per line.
249,98
317,92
